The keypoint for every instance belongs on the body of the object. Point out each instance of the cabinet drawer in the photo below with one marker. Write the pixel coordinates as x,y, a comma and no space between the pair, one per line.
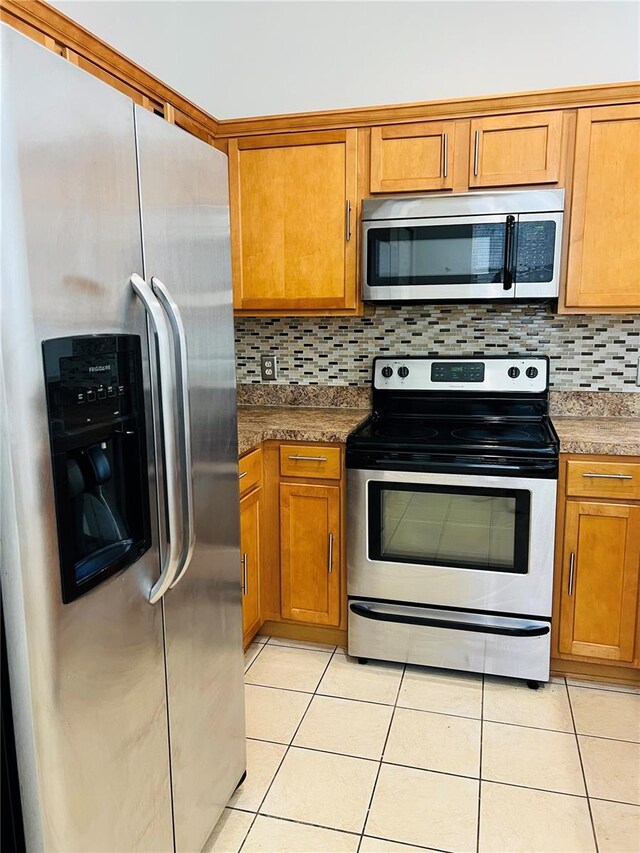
604,480
314,460
250,470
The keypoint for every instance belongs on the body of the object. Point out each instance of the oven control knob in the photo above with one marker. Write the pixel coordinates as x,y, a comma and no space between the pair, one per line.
532,372
403,372
387,372
514,372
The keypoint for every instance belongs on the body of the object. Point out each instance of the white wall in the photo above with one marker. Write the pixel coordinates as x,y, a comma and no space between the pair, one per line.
256,58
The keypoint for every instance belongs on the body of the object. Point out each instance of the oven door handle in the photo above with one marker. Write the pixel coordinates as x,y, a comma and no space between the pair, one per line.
433,622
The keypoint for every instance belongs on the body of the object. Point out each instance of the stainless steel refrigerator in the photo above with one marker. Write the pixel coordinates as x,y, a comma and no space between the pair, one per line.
118,459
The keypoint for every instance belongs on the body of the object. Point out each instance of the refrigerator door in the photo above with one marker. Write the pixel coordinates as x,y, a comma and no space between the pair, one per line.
185,223
87,678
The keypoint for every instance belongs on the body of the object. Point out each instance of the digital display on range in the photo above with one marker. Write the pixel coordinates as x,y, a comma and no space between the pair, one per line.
472,371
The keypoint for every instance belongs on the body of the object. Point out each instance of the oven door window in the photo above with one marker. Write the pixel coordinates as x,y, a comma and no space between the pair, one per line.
469,253
456,527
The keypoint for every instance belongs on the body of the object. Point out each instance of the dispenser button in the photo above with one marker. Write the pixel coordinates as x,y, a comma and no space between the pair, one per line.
102,393
120,389
111,391
91,396
80,397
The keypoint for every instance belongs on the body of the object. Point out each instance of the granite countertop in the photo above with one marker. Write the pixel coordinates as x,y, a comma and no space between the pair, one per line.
605,435
291,423
598,423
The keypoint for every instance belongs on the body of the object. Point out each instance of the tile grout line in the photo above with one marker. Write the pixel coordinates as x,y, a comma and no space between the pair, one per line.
480,767
384,746
286,752
584,775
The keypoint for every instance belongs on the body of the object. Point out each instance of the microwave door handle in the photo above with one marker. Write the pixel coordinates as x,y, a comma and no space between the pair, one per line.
167,408
509,239
172,311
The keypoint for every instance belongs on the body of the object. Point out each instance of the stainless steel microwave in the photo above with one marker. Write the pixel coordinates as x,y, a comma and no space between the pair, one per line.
461,247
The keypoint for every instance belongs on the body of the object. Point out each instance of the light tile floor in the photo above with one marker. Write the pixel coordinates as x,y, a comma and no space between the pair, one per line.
384,757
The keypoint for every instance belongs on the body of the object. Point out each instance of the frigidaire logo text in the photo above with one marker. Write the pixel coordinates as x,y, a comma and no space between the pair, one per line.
99,368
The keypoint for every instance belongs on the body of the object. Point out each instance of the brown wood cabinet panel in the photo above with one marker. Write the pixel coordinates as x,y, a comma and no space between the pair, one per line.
250,547
407,157
599,594
310,542
311,460
604,239
515,149
250,470
619,480
293,237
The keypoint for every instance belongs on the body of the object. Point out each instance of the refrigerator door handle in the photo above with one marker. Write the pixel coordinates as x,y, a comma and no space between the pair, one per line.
167,405
184,420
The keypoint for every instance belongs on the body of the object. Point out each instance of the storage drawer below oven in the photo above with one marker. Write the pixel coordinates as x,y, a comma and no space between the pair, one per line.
497,645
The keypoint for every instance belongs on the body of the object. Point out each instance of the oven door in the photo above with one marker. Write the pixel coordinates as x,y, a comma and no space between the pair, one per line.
462,257
451,540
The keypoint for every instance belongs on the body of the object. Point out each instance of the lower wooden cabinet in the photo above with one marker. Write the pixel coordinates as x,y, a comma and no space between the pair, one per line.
597,592
310,548
250,546
601,560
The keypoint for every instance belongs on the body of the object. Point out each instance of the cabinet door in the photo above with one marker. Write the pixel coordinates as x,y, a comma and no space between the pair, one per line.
293,209
599,604
604,250
514,150
412,157
250,562
310,553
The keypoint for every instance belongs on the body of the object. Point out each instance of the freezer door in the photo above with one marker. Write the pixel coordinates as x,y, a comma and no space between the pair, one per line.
185,222
87,678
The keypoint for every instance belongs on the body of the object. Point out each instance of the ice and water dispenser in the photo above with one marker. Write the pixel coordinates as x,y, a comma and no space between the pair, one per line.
95,405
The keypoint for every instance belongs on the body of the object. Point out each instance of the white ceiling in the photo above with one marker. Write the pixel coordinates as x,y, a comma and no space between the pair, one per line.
259,57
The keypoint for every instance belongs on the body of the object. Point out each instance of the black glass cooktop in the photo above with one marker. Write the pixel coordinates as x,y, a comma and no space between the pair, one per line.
456,436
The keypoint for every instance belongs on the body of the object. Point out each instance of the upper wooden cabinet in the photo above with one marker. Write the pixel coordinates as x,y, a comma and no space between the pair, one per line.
293,221
497,151
604,240
599,598
407,157
516,149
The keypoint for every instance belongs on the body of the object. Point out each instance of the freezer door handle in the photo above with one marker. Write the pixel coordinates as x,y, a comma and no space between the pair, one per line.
184,421
167,405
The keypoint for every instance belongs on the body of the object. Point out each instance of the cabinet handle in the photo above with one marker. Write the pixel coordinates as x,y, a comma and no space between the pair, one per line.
476,149
347,224
610,476
244,574
309,458
330,553
445,154
572,569
244,474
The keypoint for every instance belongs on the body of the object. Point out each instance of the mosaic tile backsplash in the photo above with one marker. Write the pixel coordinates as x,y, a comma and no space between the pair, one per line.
598,353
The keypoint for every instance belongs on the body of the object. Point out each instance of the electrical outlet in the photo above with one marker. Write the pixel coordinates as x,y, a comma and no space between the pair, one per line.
268,368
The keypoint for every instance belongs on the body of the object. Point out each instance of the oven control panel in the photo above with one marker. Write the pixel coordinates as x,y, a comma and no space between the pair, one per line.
462,374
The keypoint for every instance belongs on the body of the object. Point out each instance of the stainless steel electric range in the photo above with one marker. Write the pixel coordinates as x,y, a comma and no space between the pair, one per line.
451,497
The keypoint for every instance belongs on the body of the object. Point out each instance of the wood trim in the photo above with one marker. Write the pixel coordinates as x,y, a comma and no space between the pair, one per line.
304,633
517,102
50,27
595,672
